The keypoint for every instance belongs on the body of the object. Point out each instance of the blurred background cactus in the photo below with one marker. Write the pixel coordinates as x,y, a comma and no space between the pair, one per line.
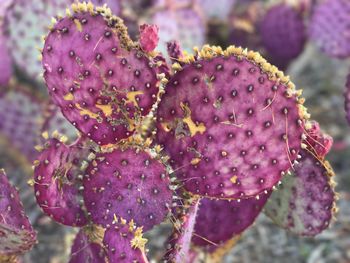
129,134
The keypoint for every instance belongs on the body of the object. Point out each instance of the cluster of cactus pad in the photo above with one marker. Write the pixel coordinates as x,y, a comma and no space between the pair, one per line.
207,142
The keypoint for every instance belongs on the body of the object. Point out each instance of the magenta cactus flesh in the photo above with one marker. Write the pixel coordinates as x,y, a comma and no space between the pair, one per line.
129,184
318,142
86,251
230,131
5,62
305,203
16,232
56,181
124,242
105,85
226,219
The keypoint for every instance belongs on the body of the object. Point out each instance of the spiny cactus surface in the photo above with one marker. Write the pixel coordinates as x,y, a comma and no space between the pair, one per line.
56,177
230,130
305,202
16,232
124,242
129,184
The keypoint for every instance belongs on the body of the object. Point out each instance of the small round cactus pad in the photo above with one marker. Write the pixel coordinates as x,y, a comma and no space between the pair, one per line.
102,81
305,202
230,122
16,232
127,183
56,181
124,242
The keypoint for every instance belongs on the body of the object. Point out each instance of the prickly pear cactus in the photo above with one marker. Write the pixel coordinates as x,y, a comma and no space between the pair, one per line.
329,22
124,242
127,183
57,177
107,84
224,118
283,34
16,232
305,202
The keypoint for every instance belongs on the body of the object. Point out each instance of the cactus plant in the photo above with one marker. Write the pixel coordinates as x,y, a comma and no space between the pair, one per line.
157,143
6,62
16,233
328,26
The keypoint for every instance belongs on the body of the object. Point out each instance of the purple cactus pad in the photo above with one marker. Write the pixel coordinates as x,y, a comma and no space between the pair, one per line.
86,251
305,202
16,232
283,34
129,184
124,242
230,128
318,142
56,181
329,27
106,84
5,62
227,219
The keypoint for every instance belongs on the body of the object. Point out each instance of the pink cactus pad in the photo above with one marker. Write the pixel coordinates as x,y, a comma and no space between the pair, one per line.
84,250
230,127
106,84
129,184
179,244
317,141
56,178
226,219
305,202
149,37
124,242
16,232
